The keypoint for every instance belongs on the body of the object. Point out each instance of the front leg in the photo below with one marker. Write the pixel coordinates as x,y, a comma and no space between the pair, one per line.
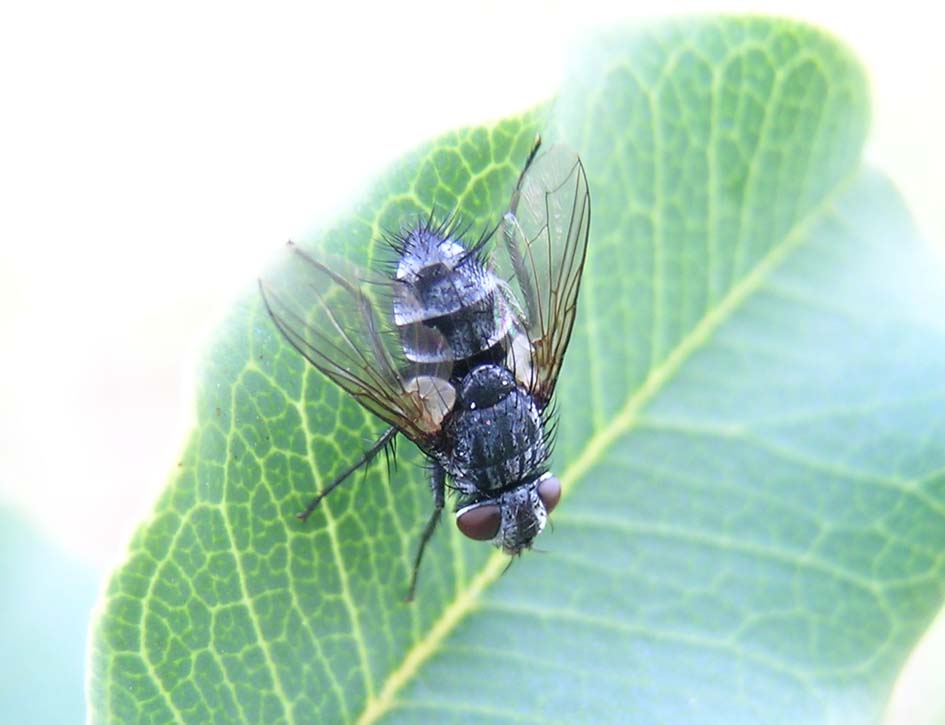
438,484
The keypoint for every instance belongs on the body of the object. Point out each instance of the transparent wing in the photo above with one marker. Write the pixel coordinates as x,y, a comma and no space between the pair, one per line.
545,236
337,316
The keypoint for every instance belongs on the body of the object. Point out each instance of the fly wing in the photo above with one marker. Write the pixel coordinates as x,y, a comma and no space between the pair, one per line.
337,316
545,236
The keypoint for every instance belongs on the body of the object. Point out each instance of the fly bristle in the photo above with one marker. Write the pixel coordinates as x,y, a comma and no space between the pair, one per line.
452,226
477,250
549,411
447,226
394,242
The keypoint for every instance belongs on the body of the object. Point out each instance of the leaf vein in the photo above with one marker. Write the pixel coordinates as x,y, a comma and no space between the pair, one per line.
241,573
331,527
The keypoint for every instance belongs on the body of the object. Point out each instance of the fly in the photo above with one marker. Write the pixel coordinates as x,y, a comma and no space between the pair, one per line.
457,346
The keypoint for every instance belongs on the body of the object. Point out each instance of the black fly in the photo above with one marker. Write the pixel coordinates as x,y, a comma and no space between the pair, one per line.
458,347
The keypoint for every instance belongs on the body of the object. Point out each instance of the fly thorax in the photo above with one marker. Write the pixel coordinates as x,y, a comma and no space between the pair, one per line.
447,305
496,431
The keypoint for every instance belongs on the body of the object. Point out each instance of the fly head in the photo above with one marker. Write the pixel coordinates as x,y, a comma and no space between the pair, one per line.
512,519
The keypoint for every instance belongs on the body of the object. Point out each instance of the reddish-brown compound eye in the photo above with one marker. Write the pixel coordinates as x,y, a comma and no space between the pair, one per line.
549,491
480,523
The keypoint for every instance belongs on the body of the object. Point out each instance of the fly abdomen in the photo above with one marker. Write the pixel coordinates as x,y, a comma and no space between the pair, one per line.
496,432
447,305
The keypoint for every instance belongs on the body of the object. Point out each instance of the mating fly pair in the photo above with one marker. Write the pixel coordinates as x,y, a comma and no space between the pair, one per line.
458,347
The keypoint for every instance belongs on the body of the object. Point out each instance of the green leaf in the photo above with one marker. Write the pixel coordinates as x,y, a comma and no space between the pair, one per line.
751,440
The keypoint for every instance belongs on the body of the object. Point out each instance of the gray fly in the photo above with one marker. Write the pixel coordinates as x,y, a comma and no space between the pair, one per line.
457,346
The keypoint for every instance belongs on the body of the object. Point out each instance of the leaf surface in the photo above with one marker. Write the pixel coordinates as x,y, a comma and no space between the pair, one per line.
751,440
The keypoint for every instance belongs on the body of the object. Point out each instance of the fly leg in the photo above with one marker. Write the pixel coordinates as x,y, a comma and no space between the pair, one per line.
386,437
438,484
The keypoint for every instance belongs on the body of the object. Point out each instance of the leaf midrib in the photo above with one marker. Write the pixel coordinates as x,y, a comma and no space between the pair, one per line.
624,421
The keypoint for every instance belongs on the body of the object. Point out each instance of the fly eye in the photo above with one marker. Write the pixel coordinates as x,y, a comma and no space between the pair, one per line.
549,491
480,523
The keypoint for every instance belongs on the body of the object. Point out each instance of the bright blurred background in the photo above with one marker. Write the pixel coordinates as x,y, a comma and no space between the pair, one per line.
151,157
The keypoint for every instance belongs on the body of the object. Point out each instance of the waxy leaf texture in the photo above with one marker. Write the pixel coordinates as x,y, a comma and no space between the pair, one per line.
751,441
